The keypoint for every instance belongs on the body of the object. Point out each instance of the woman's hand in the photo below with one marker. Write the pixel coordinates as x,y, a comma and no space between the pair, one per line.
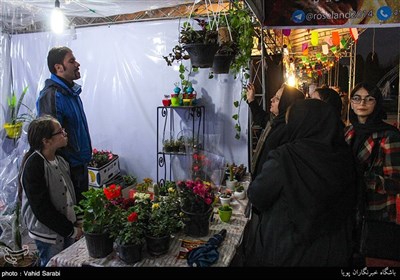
251,92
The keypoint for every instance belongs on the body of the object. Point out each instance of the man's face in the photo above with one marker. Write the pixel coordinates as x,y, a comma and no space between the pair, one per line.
69,70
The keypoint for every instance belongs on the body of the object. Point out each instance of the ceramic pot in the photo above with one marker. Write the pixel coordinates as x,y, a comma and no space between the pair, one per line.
13,130
225,200
231,184
240,195
225,215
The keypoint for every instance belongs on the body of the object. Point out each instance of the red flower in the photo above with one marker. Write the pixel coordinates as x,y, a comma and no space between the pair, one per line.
113,191
133,217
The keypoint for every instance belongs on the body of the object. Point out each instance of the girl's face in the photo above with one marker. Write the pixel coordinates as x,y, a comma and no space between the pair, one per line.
59,137
275,102
362,104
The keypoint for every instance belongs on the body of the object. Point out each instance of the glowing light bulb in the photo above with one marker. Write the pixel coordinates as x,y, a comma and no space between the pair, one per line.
57,19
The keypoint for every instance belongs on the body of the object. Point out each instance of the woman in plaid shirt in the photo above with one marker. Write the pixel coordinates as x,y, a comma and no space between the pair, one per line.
376,147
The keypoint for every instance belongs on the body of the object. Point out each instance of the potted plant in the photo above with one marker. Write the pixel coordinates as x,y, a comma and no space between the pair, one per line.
196,199
225,197
103,166
129,182
239,192
97,208
223,57
231,181
225,213
200,44
128,224
14,126
164,219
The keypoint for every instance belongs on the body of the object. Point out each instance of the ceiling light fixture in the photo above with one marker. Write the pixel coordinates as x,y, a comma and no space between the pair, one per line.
57,19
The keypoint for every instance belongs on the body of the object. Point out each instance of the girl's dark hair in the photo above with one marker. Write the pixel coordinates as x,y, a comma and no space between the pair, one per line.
39,129
56,56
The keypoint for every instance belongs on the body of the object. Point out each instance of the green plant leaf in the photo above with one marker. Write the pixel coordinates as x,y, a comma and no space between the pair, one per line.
235,117
236,103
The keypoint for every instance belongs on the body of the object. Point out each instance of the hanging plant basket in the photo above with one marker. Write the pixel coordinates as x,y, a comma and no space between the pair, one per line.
222,63
13,130
201,55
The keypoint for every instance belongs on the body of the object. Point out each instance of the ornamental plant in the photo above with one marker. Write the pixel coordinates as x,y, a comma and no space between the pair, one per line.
130,218
165,218
100,158
196,196
97,208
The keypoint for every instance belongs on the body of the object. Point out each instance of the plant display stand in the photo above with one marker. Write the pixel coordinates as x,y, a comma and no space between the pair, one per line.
189,117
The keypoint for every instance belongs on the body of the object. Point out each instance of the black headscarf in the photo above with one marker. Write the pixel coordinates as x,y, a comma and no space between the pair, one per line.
374,121
318,168
277,136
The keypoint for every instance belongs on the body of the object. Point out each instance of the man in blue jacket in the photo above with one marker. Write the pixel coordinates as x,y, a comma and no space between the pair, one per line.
60,98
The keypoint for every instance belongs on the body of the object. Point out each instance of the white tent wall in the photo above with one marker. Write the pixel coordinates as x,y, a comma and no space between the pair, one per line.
124,79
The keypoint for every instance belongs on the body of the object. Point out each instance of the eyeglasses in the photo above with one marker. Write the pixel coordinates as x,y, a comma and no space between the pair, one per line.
61,131
356,99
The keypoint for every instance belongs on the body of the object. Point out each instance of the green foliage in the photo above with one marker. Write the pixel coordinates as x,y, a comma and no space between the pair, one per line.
129,180
239,188
15,106
129,220
225,208
96,210
165,216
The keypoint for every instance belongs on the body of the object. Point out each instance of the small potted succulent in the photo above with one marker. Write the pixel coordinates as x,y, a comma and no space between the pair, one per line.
225,213
239,192
225,197
231,182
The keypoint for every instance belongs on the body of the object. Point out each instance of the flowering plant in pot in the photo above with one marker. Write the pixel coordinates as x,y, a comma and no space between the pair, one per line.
98,208
100,158
197,199
196,196
129,224
164,219
130,218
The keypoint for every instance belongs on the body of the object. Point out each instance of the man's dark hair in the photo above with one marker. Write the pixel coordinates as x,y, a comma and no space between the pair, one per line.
56,56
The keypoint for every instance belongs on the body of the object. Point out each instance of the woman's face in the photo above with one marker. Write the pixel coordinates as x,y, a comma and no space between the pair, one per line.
362,104
275,102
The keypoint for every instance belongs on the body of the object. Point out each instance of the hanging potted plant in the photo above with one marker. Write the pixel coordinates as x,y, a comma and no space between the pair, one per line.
14,126
224,57
200,44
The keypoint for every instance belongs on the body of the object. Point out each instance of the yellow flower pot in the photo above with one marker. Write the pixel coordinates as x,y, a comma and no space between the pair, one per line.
13,130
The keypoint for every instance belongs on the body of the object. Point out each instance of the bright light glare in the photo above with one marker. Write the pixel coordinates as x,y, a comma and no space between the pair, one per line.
57,21
291,80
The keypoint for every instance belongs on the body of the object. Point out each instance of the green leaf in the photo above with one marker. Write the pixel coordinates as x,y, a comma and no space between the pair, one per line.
235,117
236,103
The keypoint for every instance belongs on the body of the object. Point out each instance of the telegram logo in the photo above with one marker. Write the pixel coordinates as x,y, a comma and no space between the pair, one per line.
298,16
